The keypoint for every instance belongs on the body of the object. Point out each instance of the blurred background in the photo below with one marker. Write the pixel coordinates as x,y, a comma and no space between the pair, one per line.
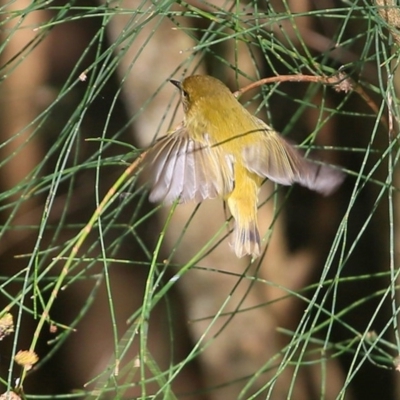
120,298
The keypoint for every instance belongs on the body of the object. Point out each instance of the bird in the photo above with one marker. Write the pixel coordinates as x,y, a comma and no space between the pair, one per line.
221,150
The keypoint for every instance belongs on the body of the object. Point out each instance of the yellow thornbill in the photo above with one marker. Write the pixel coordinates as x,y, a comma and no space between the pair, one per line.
221,150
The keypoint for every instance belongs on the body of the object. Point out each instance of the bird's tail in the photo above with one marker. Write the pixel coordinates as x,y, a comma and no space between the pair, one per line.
242,203
246,239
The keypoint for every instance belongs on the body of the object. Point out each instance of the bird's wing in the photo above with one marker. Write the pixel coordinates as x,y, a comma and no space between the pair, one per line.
179,167
274,158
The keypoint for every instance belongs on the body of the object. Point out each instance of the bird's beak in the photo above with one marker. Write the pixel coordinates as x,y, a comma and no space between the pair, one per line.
178,84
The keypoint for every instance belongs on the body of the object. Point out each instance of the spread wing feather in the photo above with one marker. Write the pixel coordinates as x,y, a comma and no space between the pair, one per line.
279,161
181,168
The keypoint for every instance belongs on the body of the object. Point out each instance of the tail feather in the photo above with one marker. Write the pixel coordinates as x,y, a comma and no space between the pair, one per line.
246,240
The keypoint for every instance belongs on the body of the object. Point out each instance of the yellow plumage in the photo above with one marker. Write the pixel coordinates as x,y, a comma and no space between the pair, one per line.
221,150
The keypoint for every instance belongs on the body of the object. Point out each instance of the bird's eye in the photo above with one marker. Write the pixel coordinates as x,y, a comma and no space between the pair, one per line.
185,94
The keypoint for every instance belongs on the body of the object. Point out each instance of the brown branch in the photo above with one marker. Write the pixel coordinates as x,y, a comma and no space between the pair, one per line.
340,82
